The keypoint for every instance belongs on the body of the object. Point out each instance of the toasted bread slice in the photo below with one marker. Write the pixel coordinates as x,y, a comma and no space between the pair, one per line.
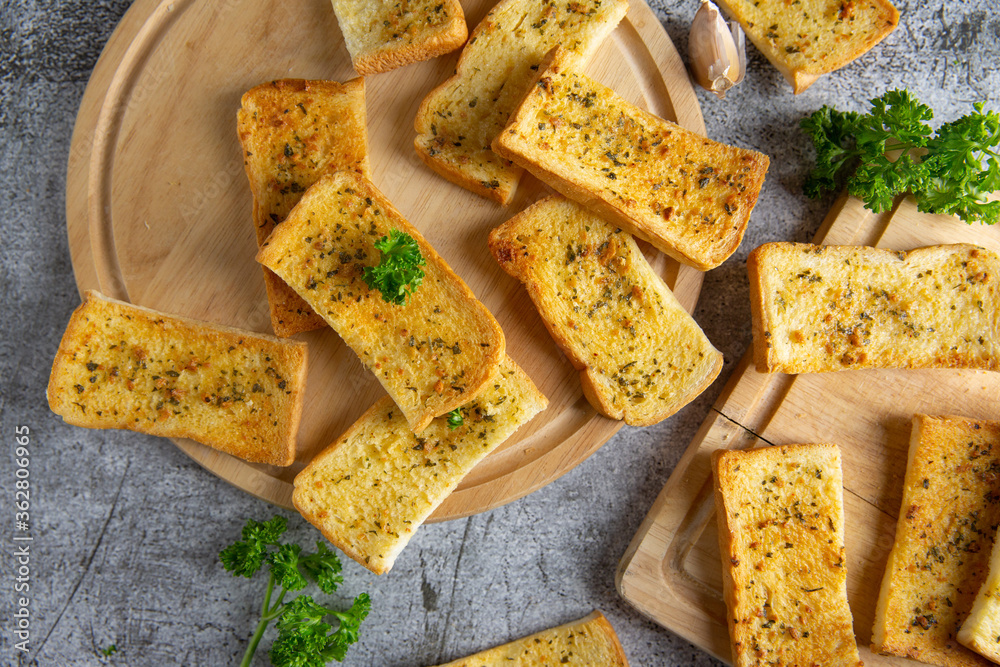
293,132
808,38
127,367
589,642
432,354
944,534
830,308
457,121
641,356
370,490
382,35
981,630
687,195
781,534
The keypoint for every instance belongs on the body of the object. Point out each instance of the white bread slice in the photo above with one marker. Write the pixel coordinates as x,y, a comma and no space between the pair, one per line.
944,534
128,367
292,132
457,121
780,512
687,195
588,642
641,356
371,489
432,354
382,35
829,308
981,630
808,38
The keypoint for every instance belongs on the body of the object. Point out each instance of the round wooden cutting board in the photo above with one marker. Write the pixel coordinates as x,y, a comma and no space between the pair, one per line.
159,210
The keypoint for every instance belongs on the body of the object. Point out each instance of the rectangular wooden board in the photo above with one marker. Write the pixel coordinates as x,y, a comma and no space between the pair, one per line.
672,572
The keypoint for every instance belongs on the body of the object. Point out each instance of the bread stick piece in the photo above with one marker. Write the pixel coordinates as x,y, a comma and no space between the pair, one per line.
588,642
371,489
432,354
382,35
944,534
809,38
981,630
687,195
830,308
292,132
781,534
128,367
457,121
641,356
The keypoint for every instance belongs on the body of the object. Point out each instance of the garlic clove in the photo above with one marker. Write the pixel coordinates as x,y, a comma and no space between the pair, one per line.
740,38
717,50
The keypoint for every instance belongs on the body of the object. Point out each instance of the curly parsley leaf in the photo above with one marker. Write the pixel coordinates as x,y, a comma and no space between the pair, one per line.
323,567
245,558
398,274
962,167
455,419
957,169
285,567
304,638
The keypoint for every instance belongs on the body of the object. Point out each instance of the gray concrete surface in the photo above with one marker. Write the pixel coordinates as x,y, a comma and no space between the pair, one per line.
127,529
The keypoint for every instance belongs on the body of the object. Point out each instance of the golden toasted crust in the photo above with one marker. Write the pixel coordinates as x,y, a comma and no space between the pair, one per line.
292,132
588,642
687,195
780,512
432,354
641,356
382,35
829,308
457,121
981,629
809,38
371,489
947,521
127,367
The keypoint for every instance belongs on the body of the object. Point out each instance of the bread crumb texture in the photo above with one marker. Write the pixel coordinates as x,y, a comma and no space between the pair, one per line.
370,490
641,355
382,35
781,533
981,629
292,132
944,535
457,121
589,642
807,38
122,366
828,308
689,196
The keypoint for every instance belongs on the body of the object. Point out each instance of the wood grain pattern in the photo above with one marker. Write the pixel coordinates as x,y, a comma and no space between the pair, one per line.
671,571
158,208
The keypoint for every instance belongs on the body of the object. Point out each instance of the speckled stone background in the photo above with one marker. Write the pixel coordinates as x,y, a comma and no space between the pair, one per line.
127,529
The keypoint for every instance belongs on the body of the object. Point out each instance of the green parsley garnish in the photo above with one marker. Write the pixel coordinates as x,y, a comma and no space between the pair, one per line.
455,419
304,639
109,650
399,272
949,172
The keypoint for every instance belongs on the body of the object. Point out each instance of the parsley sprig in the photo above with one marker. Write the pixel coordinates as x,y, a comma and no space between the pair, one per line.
455,419
949,172
304,638
399,272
